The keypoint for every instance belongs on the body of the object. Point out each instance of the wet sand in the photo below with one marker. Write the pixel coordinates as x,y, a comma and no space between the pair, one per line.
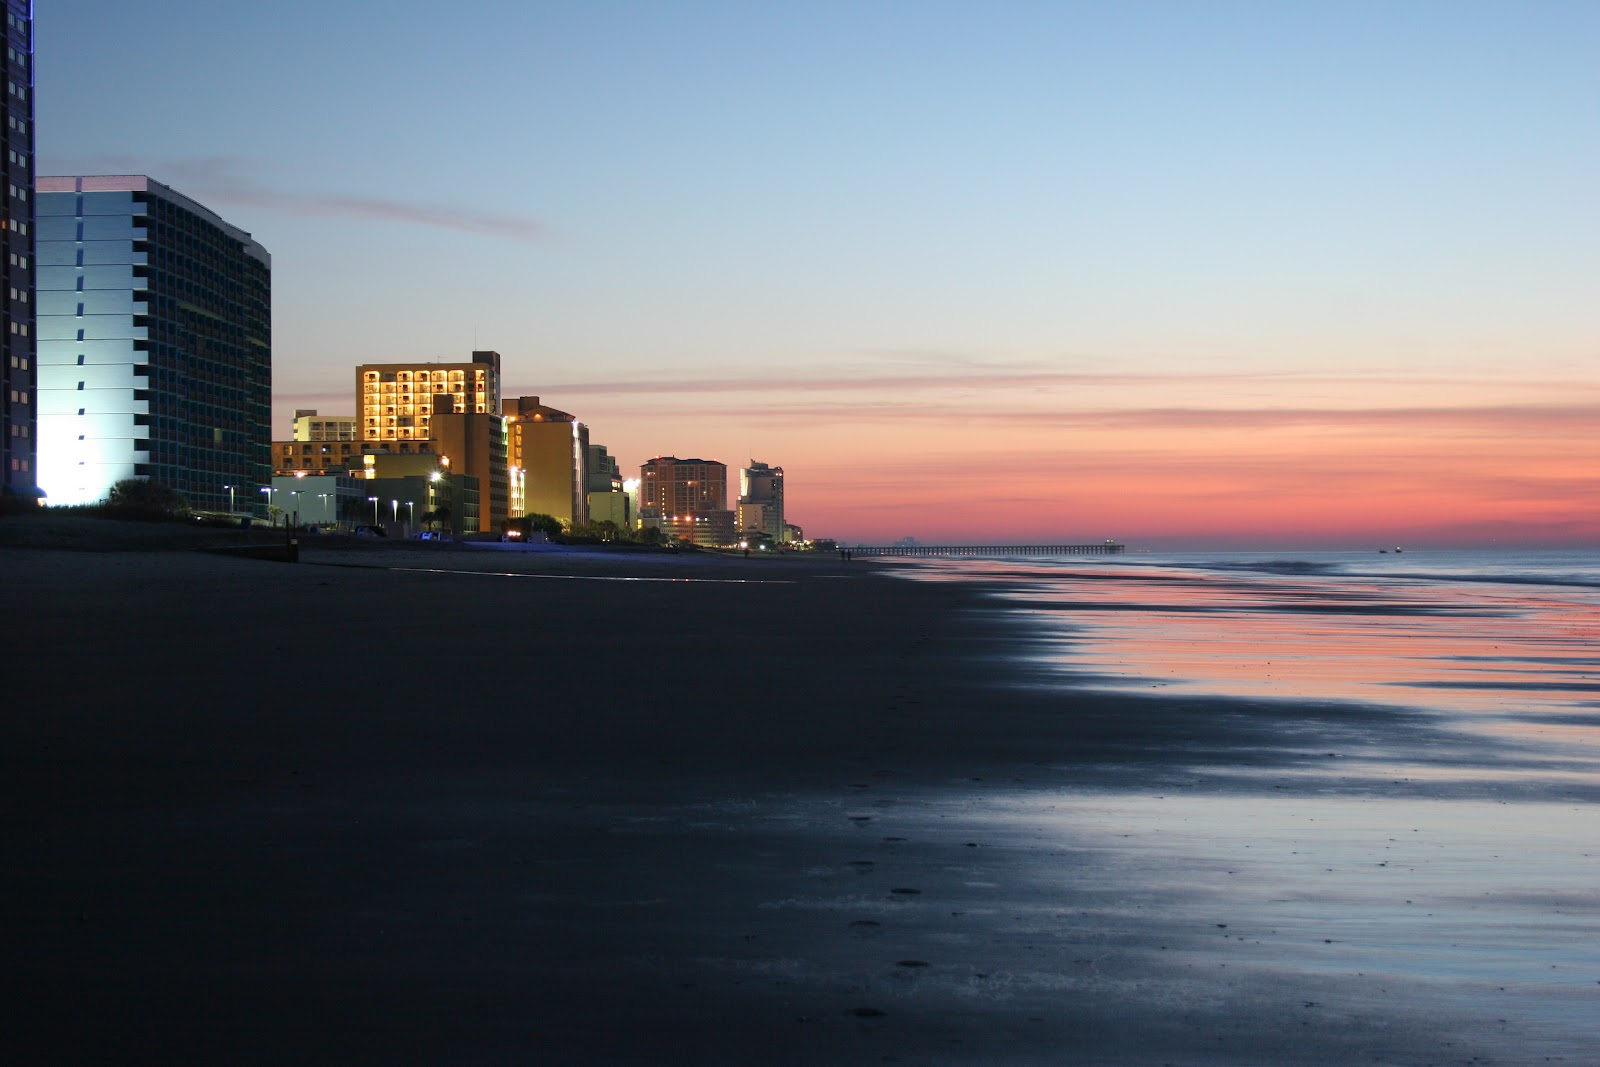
367,809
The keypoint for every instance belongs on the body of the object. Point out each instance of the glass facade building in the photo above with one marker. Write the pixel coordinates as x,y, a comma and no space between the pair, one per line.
154,320
18,394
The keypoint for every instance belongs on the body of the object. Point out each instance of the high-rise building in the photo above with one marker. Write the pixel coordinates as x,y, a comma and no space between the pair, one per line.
761,501
687,499
548,450
154,343
448,409
19,428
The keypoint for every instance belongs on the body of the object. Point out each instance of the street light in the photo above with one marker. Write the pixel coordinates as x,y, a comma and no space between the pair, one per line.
394,505
374,509
327,507
296,494
411,514
230,489
267,489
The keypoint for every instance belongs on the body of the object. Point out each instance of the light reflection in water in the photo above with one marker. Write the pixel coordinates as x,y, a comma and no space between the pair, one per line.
1518,662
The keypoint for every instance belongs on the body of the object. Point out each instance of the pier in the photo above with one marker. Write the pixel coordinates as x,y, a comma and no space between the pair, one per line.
1103,548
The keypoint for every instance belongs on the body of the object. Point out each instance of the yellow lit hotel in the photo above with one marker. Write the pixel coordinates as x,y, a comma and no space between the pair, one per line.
448,409
548,453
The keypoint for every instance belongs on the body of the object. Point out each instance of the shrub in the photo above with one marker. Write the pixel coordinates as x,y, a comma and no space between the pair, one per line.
136,498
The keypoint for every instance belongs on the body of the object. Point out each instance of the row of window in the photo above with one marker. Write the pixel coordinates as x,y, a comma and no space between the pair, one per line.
421,376
306,450
18,91
406,420
19,396
404,389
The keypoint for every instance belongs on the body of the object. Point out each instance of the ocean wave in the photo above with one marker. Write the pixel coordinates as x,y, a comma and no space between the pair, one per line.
1579,581
1277,566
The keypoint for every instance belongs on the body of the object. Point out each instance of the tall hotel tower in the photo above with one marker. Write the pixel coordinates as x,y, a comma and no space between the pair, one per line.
761,501
155,344
687,499
18,462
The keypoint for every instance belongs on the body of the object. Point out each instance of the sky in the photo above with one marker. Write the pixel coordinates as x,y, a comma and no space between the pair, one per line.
1185,275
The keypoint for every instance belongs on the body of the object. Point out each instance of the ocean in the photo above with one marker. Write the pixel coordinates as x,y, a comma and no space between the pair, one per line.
1502,648
1377,773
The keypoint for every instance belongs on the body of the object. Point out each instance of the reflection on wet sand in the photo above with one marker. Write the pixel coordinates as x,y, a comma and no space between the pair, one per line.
1384,794
1492,661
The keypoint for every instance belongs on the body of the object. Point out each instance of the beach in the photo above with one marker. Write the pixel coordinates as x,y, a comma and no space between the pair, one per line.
485,806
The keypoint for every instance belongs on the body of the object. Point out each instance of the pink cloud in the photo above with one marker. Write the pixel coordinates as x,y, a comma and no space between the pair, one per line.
219,180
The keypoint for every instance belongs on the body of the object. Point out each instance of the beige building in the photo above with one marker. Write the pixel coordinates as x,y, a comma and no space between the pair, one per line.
450,410
309,426
547,451
315,457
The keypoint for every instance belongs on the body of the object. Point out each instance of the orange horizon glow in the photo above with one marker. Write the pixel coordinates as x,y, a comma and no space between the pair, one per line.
1210,460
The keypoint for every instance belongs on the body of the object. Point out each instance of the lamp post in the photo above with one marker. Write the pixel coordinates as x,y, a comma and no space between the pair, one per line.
296,494
230,489
411,516
267,489
374,509
394,506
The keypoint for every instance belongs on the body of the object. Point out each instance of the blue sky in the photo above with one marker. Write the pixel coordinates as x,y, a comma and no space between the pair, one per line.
699,225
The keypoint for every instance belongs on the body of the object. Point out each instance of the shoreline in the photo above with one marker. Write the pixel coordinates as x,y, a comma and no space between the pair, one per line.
368,814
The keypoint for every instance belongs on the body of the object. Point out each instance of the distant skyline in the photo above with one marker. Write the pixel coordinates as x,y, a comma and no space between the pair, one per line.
1179,274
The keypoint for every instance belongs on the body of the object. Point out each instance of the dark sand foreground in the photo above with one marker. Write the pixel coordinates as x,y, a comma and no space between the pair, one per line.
734,813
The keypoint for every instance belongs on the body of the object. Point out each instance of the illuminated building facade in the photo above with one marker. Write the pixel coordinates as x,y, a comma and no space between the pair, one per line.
154,335
315,457
548,451
309,426
761,501
608,501
18,368
687,499
447,409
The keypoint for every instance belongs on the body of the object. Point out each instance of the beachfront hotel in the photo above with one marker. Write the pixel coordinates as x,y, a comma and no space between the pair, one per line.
451,410
761,502
18,411
154,325
548,453
687,499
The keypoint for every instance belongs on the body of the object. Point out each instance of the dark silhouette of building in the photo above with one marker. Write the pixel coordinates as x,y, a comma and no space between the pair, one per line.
18,369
